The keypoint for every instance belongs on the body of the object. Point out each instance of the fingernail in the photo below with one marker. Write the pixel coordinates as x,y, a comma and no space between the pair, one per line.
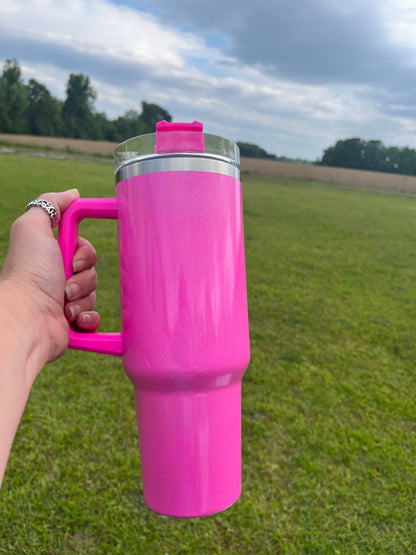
74,311
78,265
86,318
71,290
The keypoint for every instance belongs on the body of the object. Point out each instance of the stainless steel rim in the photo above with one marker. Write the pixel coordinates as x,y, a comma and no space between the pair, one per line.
182,162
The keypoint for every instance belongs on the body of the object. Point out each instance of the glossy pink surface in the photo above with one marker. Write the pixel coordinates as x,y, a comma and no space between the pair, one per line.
182,269
185,341
179,137
191,454
104,208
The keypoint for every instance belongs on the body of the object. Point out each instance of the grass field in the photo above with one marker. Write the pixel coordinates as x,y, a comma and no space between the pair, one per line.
362,179
329,410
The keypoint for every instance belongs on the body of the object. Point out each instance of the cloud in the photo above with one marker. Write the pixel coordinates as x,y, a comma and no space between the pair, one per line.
114,45
99,28
291,76
308,41
315,42
124,72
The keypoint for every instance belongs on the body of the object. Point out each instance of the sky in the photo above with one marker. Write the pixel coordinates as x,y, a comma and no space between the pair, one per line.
293,76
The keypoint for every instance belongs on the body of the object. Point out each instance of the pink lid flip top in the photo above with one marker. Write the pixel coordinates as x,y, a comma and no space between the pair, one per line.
179,137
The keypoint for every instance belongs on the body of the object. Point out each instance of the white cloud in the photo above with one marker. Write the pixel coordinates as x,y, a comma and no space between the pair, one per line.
399,18
132,56
98,27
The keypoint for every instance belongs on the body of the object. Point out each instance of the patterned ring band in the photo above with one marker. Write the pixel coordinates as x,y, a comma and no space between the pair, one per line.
47,206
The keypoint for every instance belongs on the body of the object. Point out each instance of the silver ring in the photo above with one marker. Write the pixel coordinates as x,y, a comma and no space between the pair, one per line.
47,206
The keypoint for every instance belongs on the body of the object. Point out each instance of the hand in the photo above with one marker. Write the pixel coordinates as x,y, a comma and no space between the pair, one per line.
34,329
33,272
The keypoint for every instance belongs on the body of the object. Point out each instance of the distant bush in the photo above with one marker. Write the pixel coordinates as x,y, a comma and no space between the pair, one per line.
370,155
250,150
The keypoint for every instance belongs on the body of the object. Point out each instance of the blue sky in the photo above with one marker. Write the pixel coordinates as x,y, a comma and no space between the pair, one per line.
291,76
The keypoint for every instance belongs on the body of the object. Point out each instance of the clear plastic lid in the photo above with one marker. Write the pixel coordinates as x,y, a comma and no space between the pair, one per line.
174,139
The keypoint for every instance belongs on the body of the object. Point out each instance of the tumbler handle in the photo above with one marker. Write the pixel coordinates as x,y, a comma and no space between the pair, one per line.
104,208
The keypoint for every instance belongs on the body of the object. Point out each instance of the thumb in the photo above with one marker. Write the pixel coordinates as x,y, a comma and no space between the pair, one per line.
61,201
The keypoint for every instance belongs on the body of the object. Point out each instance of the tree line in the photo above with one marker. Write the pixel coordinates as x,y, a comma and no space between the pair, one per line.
370,155
31,109
251,150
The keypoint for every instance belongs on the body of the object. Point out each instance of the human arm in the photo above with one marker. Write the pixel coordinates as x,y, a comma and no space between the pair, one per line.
35,306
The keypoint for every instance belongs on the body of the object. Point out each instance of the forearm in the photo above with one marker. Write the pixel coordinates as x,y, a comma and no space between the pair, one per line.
13,397
21,358
33,304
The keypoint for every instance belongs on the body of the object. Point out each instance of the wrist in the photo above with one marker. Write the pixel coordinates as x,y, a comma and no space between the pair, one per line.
22,333
22,357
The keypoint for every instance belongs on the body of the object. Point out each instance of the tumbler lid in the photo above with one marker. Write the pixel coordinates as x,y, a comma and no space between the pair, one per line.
173,140
179,137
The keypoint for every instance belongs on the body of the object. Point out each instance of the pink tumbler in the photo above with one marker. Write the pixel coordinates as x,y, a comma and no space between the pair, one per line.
184,339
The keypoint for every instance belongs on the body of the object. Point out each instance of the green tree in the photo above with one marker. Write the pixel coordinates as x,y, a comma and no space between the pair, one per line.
13,99
102,128
44,111
128,125
250,150
391,162
407,164
370,155
32,109
4,115
348,153
151,114
374,155
78,108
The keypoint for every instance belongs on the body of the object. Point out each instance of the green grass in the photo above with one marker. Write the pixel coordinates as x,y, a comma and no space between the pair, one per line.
329,410
49,152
